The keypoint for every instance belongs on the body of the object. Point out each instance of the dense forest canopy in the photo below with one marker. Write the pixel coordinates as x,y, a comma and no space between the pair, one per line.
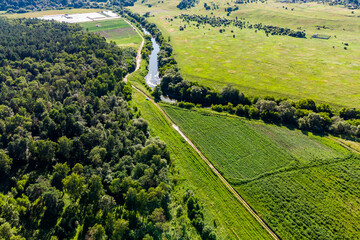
24,5
75,159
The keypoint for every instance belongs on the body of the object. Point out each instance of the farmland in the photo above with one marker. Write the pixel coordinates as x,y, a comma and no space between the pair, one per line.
304,186
246,149
221,208
116,30
276,65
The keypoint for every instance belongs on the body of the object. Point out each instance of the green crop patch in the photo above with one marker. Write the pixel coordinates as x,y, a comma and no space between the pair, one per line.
244,150
303,186
116,30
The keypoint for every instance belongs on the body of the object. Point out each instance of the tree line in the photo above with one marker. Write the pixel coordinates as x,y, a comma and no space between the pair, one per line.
75,158
22,6
216,22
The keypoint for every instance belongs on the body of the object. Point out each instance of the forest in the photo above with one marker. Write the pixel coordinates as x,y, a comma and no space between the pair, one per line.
22,6
76,161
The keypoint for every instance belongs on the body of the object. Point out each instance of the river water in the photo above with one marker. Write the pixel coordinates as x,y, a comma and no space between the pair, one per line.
152,79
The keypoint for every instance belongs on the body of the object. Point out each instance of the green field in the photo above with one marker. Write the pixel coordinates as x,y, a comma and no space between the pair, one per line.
274,65
116,30
247,149
221,208
303,186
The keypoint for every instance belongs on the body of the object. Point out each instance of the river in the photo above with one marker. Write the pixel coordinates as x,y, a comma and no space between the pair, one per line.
152,79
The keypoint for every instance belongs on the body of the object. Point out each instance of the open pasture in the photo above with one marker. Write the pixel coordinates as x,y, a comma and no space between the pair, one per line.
275,65
303,186
116,30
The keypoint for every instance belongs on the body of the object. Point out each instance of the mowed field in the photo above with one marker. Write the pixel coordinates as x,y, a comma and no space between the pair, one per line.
276,65
116,30
303,186
221,209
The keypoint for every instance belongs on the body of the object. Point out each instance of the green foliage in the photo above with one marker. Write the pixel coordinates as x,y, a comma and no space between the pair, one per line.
74,160
277,170
246,150
5,164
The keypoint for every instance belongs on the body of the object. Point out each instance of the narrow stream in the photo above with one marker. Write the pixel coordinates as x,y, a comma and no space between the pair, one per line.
152,79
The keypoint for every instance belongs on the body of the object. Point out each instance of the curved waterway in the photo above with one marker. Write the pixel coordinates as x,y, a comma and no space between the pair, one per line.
152,79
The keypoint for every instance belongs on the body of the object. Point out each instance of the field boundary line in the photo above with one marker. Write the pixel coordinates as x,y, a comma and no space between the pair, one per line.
225,182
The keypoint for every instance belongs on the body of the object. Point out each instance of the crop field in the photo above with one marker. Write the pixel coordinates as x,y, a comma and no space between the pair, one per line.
321,202
116,30
275,65
222,210
303,186
244,150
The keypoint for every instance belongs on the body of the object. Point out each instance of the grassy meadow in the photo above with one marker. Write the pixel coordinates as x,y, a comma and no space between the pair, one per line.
276,65
222,210
303,186
116,30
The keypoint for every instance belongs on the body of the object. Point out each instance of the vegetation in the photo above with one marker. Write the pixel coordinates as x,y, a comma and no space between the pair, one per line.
23,6
75,160
303,114
221,209
303,186
116,30
225,22
184,4
257,65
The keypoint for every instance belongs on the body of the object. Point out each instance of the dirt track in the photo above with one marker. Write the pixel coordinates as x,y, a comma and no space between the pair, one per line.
229,187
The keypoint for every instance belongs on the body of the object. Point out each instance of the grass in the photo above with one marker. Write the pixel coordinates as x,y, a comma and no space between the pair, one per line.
274,65
303,186
220,206
116,30
247,149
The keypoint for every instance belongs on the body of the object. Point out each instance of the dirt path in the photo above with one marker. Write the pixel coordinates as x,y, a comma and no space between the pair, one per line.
230,188
138,55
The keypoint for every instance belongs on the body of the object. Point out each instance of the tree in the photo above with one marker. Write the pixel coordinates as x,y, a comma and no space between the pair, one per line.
230,94
157,93
5,164
97,232
120,228
61,170
95,189
74,185
64,149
